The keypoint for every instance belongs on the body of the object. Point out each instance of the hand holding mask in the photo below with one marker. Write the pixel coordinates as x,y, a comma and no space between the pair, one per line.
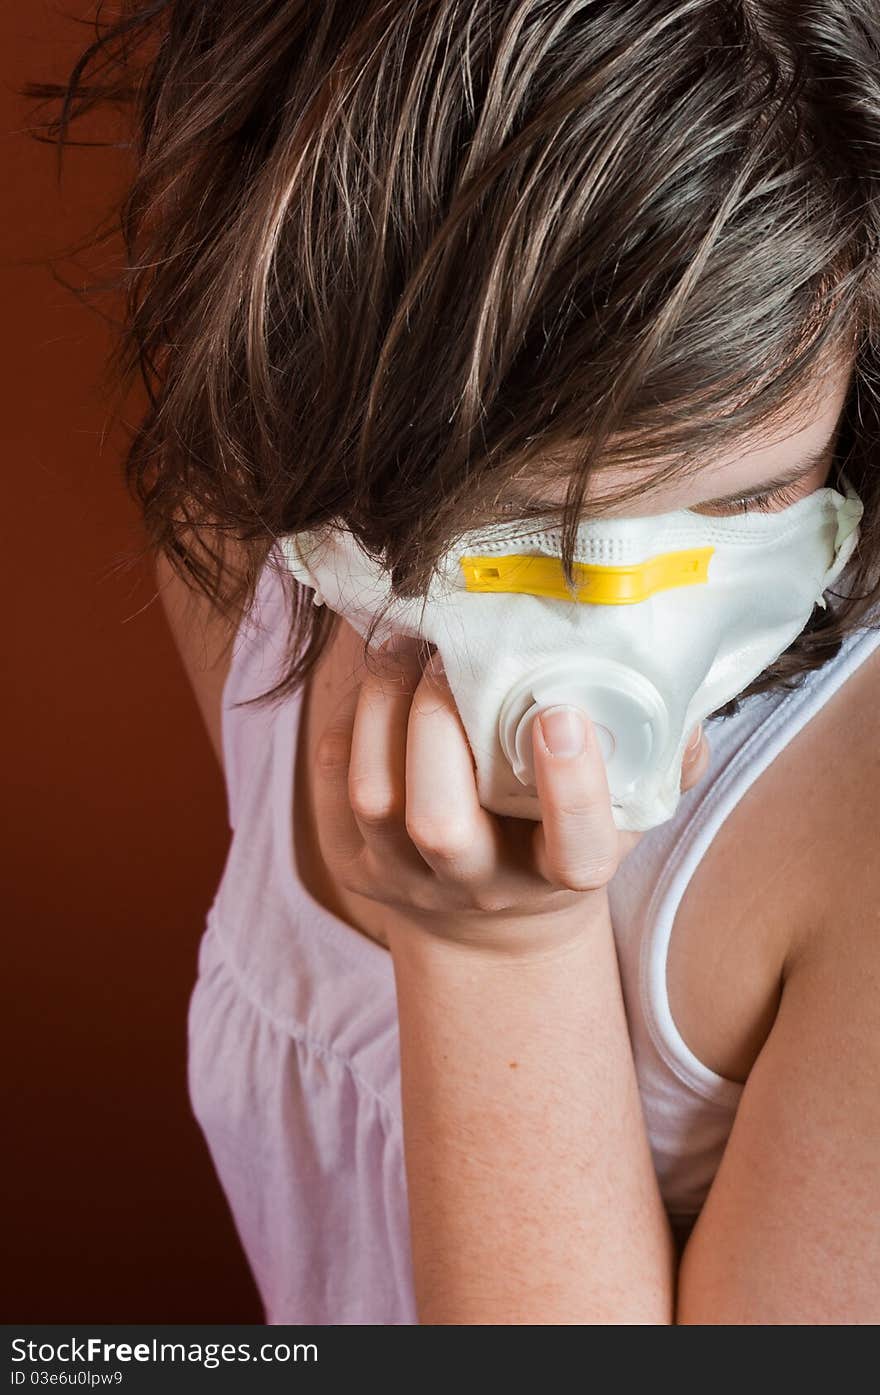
399,824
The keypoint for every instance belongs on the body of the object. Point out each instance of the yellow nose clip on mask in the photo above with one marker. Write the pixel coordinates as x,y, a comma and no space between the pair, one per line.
596,585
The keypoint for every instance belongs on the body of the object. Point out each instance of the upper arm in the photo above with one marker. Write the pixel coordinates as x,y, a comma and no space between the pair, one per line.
203,638
790,1232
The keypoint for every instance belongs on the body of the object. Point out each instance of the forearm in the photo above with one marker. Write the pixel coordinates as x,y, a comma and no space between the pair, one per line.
532,1193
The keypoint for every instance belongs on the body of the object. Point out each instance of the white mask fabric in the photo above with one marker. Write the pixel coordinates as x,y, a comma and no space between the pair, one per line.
674,615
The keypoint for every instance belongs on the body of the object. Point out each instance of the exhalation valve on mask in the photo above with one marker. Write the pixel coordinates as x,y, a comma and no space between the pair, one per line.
673,615
627,712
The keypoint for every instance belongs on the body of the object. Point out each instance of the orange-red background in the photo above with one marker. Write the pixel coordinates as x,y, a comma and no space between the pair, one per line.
114,832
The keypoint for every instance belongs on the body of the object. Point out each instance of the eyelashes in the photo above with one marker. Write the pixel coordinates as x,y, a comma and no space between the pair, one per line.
767,503
770,501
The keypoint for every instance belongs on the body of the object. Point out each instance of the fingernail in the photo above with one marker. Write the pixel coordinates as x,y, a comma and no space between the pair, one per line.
694,742
397,644
564,731
435,667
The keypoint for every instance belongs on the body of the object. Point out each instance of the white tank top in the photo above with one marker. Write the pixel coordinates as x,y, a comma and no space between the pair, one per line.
294,1066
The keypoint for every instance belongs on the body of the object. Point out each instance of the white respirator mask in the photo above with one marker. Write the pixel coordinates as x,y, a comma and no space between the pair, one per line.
675,614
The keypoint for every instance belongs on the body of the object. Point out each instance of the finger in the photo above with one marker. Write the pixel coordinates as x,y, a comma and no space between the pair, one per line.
580,840
339,837
376,787
451,830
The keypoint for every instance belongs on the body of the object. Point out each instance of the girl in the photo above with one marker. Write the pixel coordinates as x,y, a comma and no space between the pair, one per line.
418,268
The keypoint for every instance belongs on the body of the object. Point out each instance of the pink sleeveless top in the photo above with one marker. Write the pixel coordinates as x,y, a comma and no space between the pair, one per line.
294,1066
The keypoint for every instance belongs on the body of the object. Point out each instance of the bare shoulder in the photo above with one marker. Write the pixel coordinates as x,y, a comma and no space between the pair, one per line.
844,872
790,1231
203,638
798,849
840,781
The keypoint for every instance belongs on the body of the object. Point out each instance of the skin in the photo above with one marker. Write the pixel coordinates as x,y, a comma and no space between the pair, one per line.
532,1195
531,1190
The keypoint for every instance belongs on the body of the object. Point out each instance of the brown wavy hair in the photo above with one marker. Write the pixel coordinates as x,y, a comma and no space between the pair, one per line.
384,256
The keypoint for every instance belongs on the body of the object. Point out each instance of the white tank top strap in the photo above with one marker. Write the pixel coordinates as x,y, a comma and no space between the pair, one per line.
788,713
